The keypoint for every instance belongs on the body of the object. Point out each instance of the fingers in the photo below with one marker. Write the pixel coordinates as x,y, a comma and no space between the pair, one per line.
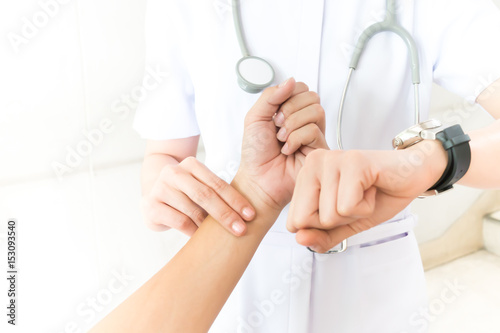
277,95
333,179
299,110
229,194
329,196
309,135
161,217
309,114
358,194
186,193
295,119
183,204
323,240
269,101
304,205
196,186
351,199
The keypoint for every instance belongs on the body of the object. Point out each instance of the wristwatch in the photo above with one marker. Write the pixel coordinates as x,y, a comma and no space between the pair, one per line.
454,141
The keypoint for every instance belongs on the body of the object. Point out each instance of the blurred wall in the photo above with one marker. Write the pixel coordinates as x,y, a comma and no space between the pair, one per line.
70,162
71,75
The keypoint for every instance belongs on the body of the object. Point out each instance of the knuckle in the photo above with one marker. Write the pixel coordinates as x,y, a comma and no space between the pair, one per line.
182,222
302,86
198,215
299,221
189,162
294,222
293,138
300,225
159,193
316,130
288,123
344,210
320,112
227,216
156,226
168,171
333,157
352,157
153,215
203,195
313,96
218,184
315,156
325,220
288,108
317,98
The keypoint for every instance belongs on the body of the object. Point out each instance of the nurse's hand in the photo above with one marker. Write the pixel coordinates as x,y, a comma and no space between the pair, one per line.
341,193
185,193
267,165
298,120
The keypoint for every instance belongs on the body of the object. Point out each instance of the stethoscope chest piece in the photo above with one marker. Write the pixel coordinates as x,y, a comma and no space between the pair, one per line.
254,74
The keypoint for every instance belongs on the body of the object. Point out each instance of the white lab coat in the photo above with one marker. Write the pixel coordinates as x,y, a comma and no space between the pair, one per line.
377,288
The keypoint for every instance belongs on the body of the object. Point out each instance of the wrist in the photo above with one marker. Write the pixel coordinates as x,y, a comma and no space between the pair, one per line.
433,159
453,140
264,205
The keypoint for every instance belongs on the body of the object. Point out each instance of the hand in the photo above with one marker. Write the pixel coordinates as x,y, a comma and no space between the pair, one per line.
341,193
268,166
185,193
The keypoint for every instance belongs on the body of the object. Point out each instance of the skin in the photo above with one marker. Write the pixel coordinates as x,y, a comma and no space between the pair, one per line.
366,188
179,191
341,193
187,294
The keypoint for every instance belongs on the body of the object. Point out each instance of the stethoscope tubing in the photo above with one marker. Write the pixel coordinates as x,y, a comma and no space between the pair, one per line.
389,24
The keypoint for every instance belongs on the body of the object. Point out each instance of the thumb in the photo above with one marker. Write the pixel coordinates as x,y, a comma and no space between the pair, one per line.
270,101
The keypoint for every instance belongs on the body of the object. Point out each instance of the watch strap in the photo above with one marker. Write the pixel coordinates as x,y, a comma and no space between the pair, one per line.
456,143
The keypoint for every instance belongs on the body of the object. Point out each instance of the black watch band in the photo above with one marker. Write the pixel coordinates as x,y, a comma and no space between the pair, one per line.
456,143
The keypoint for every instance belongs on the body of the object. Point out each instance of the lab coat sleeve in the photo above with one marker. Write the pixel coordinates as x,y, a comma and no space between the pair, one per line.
468,49
168,110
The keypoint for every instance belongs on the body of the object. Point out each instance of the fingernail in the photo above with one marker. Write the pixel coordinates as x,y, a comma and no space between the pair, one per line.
238,227
315,249
248,213
285,148
282,84
282,134
279,119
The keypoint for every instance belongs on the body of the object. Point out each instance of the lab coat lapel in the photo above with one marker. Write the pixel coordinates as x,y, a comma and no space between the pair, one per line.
308,58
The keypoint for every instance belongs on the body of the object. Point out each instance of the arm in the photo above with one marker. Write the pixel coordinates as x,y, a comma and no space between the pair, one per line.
485,144
187,294
179,191
354,191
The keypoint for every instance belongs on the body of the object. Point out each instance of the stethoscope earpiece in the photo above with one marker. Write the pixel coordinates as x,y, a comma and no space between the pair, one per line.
254,74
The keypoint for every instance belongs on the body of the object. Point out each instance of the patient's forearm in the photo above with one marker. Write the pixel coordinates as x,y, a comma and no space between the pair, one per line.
187,294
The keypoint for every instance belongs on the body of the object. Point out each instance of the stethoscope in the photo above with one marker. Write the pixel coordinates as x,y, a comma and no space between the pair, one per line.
254,73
